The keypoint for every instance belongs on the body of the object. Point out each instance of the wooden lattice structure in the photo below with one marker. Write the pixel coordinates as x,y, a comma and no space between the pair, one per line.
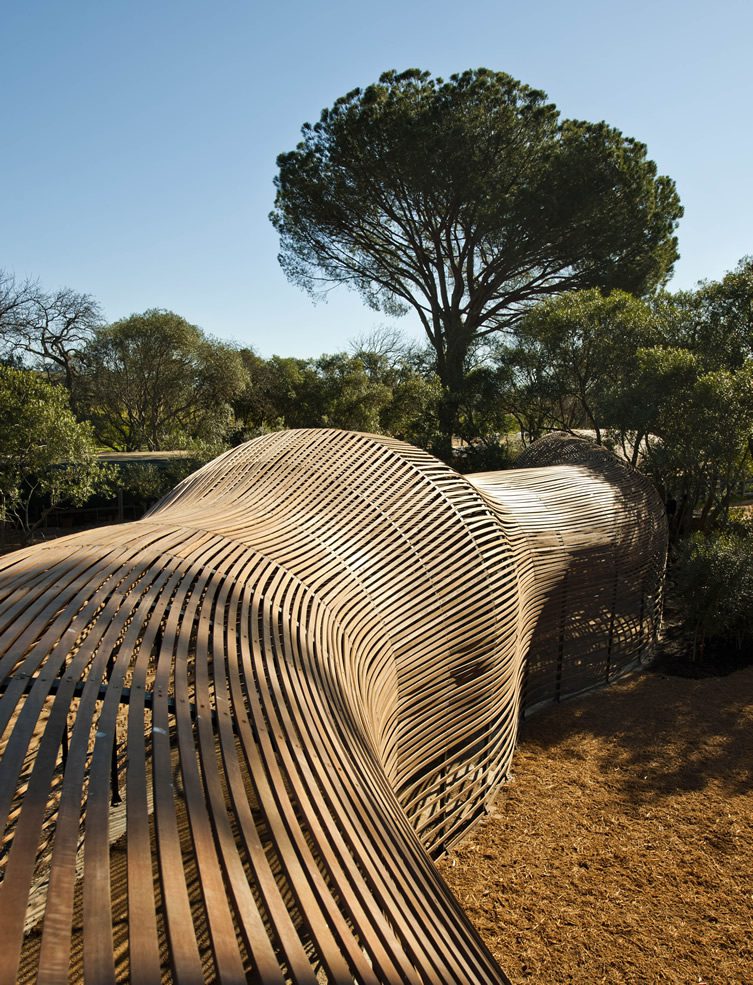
234,733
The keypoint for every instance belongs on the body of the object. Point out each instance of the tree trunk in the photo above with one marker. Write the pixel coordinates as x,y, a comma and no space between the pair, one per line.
449,407
708,503
448,415
451,359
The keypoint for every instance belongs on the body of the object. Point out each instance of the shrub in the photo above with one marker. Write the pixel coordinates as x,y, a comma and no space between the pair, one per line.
714,576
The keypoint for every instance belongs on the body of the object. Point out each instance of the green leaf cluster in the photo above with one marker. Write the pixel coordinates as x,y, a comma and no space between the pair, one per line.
465,201
47,457
669,380
361,392
715,583
154,381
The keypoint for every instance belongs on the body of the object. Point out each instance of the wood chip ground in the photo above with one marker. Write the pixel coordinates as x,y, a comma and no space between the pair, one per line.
622,849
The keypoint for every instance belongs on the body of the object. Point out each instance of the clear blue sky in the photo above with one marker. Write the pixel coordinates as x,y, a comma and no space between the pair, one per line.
139,139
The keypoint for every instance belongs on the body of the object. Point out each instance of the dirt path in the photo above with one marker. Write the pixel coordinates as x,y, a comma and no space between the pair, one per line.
622,849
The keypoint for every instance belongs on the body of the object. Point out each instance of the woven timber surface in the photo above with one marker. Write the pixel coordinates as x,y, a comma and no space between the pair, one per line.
235,733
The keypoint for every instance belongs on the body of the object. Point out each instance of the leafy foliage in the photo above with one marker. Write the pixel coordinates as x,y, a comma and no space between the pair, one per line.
153,381
573,358
716,321
144,483
46,456
704,423
669,381
466,201
362,392
715,582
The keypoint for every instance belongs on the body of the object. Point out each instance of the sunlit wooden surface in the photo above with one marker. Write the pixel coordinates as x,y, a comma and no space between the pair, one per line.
235,733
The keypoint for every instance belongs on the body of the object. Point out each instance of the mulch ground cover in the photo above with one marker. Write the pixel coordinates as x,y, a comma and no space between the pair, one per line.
621,850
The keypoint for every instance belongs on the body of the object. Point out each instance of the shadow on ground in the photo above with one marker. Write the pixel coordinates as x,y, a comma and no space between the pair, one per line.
677,734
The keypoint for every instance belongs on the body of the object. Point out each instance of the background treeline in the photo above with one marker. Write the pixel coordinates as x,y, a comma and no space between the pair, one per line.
156,382
667,381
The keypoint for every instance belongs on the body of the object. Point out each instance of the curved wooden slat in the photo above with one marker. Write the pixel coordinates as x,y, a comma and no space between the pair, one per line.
303,672
595,531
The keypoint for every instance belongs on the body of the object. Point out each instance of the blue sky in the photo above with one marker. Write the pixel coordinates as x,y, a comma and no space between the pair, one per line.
139,139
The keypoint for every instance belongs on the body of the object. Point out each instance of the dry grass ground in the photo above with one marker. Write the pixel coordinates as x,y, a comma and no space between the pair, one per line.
622,849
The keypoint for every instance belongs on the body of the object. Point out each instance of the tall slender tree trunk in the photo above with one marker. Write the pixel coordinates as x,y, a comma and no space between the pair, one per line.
451,372
448,415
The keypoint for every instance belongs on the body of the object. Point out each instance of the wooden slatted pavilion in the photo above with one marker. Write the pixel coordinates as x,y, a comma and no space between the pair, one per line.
235,732
597,535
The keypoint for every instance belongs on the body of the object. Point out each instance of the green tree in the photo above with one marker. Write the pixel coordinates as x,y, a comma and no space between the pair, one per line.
352,398
466,201
252,409
715,321
700,425
672,388
407,373
573,359
370,390
281,392
154,381
46,456
331,391
144,483
714,576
